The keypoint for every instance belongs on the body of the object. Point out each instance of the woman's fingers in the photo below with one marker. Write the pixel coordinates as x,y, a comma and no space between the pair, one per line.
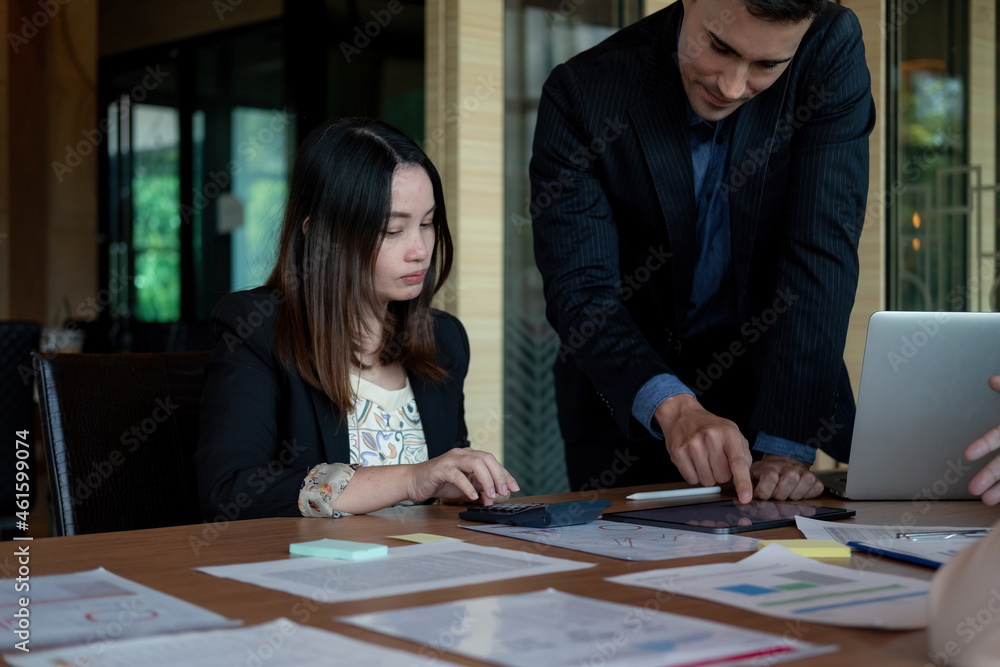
478,475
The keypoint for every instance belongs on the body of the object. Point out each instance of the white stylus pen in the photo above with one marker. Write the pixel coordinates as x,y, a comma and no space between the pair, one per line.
674,493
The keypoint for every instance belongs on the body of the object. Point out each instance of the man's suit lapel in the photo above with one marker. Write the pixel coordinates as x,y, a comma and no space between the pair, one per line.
749,158
661,124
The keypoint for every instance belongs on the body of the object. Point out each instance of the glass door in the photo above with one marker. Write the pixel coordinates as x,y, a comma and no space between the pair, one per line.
538,35
200,136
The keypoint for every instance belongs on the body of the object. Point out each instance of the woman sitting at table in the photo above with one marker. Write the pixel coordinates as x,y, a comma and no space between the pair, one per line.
335,388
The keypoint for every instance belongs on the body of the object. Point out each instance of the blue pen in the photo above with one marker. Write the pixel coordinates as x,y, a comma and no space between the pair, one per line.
861,546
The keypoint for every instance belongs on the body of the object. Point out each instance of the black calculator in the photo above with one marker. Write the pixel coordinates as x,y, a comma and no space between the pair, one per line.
538,515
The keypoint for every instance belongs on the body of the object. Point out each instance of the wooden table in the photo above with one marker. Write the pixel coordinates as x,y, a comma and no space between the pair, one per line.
163,559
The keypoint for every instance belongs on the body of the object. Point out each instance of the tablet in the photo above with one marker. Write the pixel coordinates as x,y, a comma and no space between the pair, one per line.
727,516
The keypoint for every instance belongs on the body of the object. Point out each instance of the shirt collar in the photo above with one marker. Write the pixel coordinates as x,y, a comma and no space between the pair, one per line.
694,120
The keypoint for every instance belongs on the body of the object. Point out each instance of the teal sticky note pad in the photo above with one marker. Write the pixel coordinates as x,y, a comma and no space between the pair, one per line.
342,549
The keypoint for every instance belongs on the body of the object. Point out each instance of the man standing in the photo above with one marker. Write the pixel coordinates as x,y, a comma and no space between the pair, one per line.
699,182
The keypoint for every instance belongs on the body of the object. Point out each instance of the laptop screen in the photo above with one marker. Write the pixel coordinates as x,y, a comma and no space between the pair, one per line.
923,399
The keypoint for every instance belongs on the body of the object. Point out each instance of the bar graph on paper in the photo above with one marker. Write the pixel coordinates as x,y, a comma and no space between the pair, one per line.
777,582
812,592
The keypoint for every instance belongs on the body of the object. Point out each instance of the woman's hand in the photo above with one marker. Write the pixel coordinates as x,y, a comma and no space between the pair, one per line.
461,475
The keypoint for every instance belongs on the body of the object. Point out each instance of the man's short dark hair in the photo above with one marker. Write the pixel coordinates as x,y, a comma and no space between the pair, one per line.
785,11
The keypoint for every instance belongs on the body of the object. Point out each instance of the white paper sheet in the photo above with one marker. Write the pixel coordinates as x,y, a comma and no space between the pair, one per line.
884,537
94,607
280,643
776,582
626,541
558,629
409,569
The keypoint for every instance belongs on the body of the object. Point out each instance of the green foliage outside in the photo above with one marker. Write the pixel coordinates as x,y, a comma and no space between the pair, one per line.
156,236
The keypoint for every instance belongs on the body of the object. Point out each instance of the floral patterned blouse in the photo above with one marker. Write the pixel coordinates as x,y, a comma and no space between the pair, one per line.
384,429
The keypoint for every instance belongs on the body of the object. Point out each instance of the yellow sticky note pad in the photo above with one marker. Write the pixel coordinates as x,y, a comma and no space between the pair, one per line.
811,548
420,538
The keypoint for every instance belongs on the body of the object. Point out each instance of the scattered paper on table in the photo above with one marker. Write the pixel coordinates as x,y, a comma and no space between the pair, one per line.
884,537
90,607
419,567
776,582
815,529
423,538
280,643
557,629
626,541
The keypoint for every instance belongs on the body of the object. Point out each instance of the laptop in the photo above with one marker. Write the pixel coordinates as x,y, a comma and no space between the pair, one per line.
923,399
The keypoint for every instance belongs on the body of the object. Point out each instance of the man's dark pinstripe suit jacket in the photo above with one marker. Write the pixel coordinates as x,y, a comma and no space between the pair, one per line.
614,221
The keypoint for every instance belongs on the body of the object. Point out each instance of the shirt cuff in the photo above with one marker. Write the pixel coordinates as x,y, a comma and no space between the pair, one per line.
655,391
772,444
321,488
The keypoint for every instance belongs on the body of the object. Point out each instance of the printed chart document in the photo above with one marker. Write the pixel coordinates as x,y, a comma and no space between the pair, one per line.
625,540
776,582
561,630
91,607
884,537
280,643
409,569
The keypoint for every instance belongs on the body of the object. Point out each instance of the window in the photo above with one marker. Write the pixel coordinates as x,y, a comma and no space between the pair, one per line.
156,212
259,190
942,186
201,135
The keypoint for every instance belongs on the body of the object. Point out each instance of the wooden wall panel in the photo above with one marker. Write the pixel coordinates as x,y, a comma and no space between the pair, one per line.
27,166
982,149
464,137
49,111
73,129
872,252
651,6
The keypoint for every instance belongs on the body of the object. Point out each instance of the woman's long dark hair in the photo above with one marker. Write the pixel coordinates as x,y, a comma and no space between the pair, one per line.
342,185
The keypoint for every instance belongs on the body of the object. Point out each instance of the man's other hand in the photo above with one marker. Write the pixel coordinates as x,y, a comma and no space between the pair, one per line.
706,449
784,478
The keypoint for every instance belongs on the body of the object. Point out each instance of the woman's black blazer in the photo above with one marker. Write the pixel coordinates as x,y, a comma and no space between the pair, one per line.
263,427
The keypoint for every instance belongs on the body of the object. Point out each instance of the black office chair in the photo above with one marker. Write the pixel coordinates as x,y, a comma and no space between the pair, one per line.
120,430
18,339
106,336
